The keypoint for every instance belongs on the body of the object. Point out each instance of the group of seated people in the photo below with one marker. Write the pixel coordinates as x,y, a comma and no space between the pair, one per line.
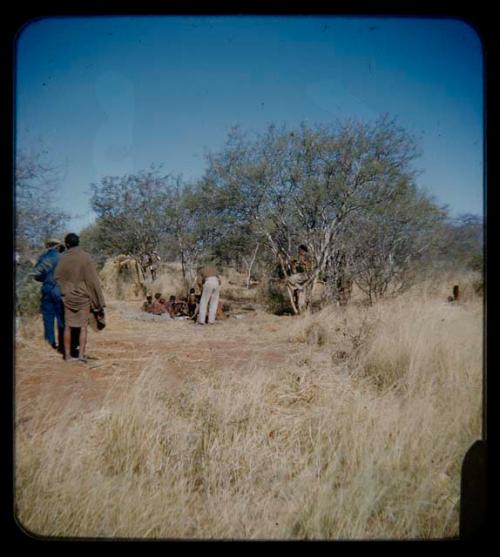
187,307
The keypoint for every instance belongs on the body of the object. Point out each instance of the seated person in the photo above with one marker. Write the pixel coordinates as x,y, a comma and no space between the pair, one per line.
181,308
158,308
195,307
147,306
220,311
170,306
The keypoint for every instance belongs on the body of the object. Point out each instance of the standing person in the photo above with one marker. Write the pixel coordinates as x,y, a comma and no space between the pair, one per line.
192,303
81,292
154,260
301,268
51,303
209,282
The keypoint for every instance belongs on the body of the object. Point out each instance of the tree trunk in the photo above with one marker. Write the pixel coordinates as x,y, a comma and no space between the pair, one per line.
338,284
252,261
290,291
183,267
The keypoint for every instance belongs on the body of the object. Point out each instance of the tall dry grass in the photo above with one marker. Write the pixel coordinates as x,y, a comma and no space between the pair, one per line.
360,436
169,281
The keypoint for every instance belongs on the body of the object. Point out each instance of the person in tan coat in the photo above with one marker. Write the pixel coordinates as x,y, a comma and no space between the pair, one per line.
81,292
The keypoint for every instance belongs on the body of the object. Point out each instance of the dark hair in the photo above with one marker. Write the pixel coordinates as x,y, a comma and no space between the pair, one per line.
191,291
303,247
71,240
172,298
61,248
158,295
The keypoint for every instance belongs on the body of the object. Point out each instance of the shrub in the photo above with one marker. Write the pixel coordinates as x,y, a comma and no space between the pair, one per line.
273,297
27,292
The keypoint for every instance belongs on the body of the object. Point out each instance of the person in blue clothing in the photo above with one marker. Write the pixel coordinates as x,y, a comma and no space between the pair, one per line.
52,306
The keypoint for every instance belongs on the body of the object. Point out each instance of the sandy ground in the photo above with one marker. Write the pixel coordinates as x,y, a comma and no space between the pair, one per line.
119,353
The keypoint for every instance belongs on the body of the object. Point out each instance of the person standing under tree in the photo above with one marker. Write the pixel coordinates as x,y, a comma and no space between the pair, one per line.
192,302
51,303
301,268
209,282
81,292
154,260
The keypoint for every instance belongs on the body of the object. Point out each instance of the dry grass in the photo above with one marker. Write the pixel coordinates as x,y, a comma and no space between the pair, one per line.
123,286
358,432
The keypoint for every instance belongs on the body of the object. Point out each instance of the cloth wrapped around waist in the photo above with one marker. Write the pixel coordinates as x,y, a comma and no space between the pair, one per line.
76,297
297,279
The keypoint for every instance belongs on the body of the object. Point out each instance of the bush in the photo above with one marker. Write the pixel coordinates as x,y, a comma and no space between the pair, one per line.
273,297
27,292
475,263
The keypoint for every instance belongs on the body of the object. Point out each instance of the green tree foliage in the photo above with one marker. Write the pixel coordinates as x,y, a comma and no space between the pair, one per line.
131,212
148,212
390,241
312,185
90,241
36,214
346,191
193,229
462,242
37,218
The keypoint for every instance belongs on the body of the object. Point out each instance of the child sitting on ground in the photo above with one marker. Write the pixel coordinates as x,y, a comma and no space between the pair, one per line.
170,306
181,308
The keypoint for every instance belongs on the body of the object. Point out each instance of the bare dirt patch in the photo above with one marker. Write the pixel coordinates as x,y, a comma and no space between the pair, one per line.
119,353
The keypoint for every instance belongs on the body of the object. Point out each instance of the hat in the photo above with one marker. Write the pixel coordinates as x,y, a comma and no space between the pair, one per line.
51,242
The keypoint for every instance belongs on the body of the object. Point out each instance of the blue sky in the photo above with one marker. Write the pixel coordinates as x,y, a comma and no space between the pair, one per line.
112,95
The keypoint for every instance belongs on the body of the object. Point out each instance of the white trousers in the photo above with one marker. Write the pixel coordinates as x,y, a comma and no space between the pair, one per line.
210,298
